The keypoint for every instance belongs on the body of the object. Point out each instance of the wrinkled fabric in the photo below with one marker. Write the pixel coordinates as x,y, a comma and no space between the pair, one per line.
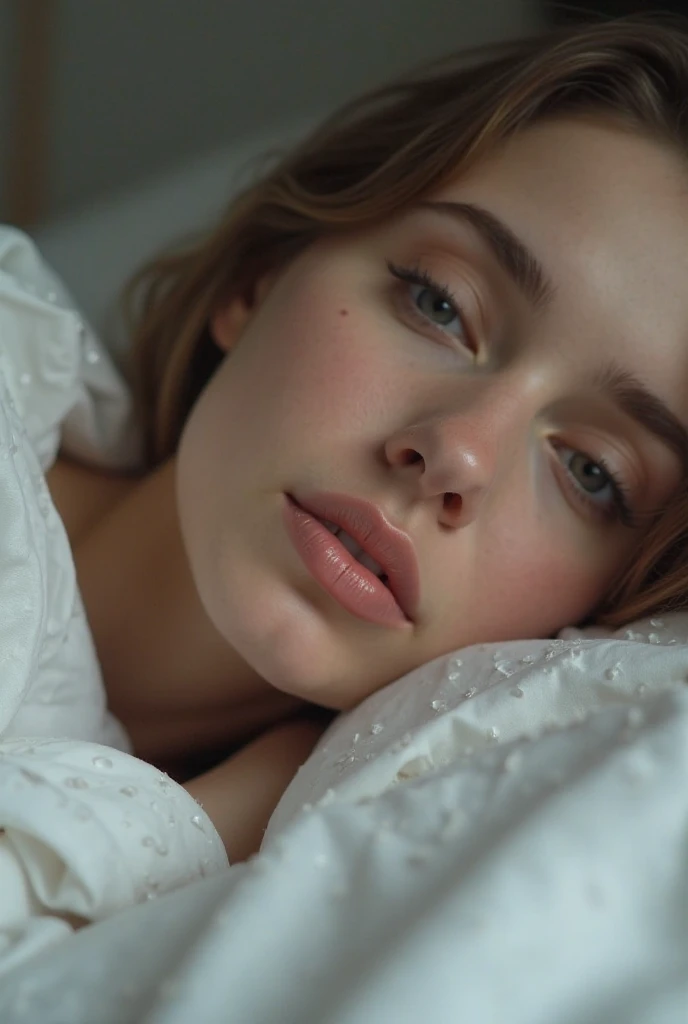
537,881
465,702
86,828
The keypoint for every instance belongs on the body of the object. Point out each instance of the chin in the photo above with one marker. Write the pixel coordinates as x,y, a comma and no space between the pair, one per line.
286,641
284,634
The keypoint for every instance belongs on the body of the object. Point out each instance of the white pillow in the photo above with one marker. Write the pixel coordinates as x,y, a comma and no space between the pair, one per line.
462,702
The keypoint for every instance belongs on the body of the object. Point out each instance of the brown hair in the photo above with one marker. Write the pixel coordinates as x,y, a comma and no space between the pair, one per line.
377,155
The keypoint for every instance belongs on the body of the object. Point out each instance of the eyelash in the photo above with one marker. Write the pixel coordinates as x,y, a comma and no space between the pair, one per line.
621,507
417,275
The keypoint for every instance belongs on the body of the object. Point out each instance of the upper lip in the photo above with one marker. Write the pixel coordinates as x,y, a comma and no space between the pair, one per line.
387,544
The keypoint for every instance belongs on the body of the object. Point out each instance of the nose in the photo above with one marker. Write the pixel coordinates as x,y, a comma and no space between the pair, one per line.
452,457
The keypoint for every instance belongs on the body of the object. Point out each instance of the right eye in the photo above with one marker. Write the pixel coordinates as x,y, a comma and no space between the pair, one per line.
432,302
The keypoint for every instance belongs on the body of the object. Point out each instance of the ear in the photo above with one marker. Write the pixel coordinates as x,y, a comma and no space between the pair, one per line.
227,324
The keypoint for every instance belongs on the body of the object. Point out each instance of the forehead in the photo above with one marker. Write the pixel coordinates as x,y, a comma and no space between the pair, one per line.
604,203
606,213
582,155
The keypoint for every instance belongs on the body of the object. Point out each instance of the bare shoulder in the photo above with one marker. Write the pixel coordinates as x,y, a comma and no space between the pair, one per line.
83,495
241,793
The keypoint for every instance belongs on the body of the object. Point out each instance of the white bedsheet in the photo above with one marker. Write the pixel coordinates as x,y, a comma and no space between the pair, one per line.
500,836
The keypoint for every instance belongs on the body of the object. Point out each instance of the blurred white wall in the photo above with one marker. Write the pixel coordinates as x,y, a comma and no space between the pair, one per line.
142,85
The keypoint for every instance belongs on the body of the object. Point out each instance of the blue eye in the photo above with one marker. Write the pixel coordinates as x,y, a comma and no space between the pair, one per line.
433,302
434,306
591,473
595,476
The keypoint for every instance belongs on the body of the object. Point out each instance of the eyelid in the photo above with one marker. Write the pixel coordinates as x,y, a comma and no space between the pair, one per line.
621,508
589,429
413,273
489,301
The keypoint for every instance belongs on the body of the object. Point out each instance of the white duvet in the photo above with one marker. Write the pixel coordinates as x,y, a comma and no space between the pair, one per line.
86,828
500,836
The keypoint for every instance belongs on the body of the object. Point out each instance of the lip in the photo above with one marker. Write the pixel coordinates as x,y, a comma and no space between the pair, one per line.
385,543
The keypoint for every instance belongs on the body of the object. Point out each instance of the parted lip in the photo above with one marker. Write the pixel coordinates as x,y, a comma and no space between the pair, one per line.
369,527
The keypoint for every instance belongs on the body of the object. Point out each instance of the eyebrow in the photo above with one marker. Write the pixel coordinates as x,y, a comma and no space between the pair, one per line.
625,389
512,254
646,408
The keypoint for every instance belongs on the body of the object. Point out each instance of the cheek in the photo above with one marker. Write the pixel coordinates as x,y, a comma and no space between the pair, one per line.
330,366
536,586
557,590
308,382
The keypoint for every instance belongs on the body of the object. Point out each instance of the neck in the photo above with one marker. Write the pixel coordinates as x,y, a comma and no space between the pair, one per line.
172,679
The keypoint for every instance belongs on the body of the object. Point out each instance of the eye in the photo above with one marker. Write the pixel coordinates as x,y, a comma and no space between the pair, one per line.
433,302
593,480
433,305
590,474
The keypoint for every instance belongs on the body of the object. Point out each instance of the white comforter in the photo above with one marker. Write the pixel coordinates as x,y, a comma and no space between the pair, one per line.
501,836
86,828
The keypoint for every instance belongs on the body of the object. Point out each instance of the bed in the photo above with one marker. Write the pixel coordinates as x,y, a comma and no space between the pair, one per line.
498,837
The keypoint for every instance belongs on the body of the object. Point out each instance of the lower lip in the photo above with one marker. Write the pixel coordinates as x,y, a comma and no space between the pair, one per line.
356,588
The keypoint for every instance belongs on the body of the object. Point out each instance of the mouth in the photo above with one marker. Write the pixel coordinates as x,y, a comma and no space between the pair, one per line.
355,549
357,554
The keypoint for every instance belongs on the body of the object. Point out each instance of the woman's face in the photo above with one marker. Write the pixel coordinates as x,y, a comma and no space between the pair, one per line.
482,424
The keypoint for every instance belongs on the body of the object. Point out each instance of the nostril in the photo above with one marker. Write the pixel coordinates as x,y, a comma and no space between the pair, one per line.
452,502
411,456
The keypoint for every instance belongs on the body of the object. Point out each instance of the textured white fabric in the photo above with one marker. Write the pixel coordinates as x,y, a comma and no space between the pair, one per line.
86,828
465,702
532,882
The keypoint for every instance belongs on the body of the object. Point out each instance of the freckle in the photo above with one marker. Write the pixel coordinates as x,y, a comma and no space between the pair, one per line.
343,312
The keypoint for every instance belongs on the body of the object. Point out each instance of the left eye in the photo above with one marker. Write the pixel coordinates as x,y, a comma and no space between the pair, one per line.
588,473
593,477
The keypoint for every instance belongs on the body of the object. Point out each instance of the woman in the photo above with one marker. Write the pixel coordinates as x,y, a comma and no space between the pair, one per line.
451,323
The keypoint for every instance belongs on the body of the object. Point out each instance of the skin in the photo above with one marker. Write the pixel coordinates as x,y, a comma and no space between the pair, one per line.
332,383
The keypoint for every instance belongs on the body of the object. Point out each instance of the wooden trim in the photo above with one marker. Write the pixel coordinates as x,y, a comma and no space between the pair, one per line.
28,158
